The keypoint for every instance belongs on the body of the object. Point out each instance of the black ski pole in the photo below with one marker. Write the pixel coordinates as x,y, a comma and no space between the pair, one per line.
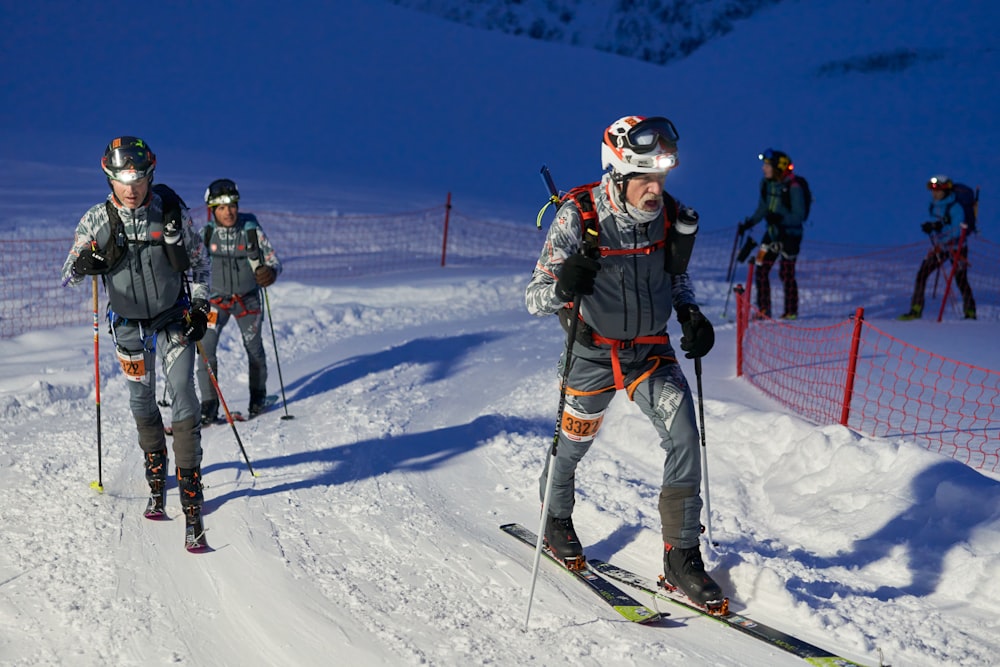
253,255
731,272
99,484
704,452
563,383
222,400
277,362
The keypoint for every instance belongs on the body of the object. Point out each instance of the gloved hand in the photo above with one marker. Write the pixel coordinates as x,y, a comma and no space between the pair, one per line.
196,323
929,227
265,275
744,226
577,277
774,218
698,335
90,263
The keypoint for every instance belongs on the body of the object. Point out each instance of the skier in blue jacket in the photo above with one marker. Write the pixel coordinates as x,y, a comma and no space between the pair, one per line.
945,229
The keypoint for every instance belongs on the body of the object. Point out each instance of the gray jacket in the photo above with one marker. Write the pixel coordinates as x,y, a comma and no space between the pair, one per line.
142,285
231,254
633,294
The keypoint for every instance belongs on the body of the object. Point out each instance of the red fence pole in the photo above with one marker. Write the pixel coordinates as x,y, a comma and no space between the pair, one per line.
741,327
955,259
444,240
852,366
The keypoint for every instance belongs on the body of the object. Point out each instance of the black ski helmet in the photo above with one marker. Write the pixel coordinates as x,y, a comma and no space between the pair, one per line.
221,191
128,159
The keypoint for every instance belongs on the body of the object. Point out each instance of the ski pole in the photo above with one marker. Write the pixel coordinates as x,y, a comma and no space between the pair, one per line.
253,256
277,362
704,452
222,400
99,484
563,383
730,272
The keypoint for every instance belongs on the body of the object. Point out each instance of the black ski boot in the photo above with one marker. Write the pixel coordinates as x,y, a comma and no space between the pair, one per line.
156,477
684,569
209,412
189,483
560,536
257,403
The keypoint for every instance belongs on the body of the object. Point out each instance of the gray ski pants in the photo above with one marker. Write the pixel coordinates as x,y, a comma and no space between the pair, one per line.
138,348
659,389
250,318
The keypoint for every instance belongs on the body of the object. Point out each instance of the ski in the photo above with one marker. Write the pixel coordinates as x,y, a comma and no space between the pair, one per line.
194,534
624,604
813,655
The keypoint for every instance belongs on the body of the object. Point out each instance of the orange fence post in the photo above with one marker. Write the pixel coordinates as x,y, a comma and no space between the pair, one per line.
444,240
852,366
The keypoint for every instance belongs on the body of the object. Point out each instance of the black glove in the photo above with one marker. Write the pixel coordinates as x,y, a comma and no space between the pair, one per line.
265,275
90,263
774,218
698,335
745,226
577,277
929,227
196,323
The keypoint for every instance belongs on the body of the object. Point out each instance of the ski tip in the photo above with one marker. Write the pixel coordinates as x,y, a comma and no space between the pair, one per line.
197,548
97,486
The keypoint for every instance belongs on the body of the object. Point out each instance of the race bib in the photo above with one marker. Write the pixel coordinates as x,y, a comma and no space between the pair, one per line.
580,427
133,365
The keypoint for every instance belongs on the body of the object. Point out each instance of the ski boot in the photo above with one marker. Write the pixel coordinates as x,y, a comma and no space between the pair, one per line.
560,537
189,483
257,403
913,314
156,477
209,412
684,569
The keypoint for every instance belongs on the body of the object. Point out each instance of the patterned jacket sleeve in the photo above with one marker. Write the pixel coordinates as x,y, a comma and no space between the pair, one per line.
563,239
201,265
267,253
86,232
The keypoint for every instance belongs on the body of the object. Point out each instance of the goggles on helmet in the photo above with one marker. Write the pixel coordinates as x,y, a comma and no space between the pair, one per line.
939,183
650,134
222,192
128,160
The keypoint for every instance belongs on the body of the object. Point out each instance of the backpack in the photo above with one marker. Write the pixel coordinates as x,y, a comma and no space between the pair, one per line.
114,250
786,195
584,202
968,199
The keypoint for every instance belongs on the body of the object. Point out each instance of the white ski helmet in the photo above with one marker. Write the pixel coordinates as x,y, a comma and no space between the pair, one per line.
639,145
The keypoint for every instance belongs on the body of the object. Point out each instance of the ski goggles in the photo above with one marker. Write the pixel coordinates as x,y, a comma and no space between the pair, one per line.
128,164
650,134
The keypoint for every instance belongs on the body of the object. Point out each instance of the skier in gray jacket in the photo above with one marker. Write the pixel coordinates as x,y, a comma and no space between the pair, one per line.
144,250
243,263
627,293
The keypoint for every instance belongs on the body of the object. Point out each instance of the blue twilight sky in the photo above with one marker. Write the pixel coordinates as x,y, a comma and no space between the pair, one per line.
398,107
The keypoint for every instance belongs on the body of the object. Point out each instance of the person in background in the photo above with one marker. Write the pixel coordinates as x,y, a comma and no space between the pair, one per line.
243,264
143,245
782,204
945,229
627,279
